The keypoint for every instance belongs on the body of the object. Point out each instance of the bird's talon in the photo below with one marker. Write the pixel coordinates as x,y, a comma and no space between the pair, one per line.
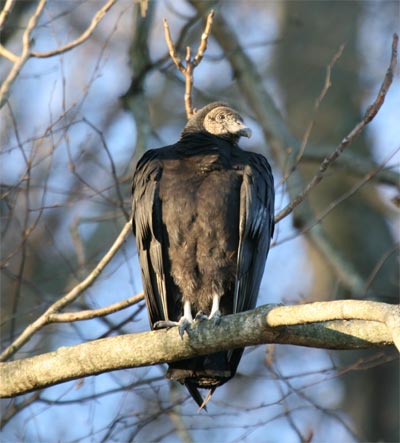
184,325
165,324
216,317
200,316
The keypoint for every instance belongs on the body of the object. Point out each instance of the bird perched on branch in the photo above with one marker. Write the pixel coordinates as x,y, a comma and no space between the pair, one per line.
203,219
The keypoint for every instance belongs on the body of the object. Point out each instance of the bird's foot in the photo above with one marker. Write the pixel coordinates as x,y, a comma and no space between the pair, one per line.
184,325
165,324
200,316
215,317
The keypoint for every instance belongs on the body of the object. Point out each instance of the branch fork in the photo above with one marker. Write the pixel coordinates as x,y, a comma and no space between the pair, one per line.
191,63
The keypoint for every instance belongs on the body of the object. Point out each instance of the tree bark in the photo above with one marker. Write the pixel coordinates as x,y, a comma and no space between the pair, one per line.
347,324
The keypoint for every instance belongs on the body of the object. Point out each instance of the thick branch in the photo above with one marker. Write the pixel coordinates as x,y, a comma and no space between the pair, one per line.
235,331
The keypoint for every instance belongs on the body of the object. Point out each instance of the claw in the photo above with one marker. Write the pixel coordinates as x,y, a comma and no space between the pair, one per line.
200,316
215,313
184,325
215,317
165,324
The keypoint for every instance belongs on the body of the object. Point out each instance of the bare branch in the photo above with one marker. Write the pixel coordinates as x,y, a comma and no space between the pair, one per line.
4,52
82,38
68,298
191,63
144,4
204,39
19,61
354,164
171,47
369,115
5,12
235,331
26,47
318,102
89,314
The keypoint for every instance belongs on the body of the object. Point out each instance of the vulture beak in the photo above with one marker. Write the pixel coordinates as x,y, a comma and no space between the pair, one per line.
245,132
239,129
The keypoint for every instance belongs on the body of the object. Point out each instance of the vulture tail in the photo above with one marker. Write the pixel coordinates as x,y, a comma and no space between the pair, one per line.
194,392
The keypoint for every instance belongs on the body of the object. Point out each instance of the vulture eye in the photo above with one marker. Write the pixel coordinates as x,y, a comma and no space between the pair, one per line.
221,117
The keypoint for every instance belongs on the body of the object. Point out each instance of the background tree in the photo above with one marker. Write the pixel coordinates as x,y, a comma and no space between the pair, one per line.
74,123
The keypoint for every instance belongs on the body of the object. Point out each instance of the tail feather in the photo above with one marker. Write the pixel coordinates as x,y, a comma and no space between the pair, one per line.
206,400
195,393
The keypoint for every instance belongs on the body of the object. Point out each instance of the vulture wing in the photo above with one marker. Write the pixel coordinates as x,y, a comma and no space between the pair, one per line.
256,225
147,227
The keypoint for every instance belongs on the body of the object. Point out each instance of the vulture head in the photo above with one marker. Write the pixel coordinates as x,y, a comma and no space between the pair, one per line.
218,119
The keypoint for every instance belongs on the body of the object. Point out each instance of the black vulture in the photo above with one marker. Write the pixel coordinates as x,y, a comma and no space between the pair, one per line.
203,218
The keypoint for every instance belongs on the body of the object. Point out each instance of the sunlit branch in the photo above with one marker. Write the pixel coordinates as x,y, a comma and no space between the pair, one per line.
89,314
191,63
344,324
27,52
5,12
26,48
82,38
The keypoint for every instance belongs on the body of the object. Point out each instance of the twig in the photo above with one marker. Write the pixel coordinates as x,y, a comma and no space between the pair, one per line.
191,63
26,47
89,314
354,164
4,52
68,298
27,53
379,265
18,407
367,178
369,115
5,11
82,38
318,102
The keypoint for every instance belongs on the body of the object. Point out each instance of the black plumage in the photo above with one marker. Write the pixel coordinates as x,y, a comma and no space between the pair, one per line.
203,219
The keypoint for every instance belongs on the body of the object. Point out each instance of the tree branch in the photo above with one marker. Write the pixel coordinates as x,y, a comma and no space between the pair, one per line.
5,12
19,61
26,48
89,314
45,318
191,64
353,164
370,113
82,38
325,325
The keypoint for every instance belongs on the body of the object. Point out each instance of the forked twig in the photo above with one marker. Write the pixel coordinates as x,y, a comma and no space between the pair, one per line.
370,113
191,63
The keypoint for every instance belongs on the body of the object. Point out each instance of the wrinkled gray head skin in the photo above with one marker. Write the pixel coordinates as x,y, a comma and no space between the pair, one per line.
218,119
